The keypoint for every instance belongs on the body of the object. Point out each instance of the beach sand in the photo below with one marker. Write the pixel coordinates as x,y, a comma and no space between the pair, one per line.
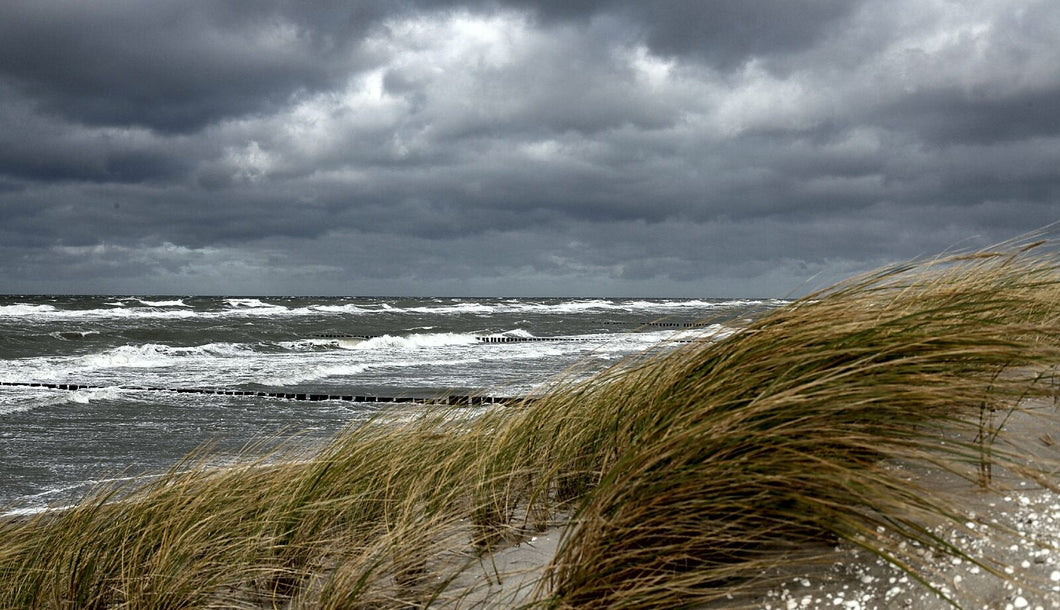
1013,526
854,580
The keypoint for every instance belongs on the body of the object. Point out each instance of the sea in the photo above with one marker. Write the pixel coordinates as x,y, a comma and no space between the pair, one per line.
104,389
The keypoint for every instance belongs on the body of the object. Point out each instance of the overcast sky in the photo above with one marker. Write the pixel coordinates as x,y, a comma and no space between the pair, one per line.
684,148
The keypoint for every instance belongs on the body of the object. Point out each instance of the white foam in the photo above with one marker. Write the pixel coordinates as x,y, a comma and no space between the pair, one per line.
250,303
29,512
352,343
158,313
149,355
222,350
518,332
153,355
23,309
565,307
417,341
29,398
455,308
86,396
64,334
348,308
15,407
301,375
174,303
306,344
254,307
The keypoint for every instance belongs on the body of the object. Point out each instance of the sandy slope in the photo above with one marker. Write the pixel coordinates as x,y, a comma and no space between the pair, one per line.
1013,526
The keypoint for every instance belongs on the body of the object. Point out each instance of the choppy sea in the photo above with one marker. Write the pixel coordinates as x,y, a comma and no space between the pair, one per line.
148,369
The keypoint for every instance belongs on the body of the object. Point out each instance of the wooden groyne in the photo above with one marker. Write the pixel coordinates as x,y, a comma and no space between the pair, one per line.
452,399
660,324
480,338
503,339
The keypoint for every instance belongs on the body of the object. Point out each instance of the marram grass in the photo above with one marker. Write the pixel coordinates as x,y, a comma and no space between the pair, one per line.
683,475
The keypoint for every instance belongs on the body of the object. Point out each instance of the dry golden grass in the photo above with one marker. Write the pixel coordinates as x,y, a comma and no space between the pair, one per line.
686,473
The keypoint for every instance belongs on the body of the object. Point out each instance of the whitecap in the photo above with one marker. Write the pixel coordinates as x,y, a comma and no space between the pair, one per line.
66,335
148,355
313,373
222,350
348,308
173,303
88,395
417,341
456,308
247,303
153,355
24,309
255,305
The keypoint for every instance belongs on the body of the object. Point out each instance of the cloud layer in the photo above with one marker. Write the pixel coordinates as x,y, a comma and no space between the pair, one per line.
683,148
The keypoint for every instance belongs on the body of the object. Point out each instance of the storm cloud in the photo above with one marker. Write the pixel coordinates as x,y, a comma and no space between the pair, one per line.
516,148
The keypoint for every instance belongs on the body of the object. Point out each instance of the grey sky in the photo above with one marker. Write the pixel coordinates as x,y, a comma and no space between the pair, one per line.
683,148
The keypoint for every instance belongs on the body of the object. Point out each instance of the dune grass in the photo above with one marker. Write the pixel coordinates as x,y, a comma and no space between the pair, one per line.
684,475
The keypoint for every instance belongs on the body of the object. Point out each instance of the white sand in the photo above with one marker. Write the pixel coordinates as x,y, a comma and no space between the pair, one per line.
856,580
505,578
1028,559
1014,526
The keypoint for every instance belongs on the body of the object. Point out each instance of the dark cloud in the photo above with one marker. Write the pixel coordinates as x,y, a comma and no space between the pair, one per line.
944,118
723,33
175,67
728,33
488,147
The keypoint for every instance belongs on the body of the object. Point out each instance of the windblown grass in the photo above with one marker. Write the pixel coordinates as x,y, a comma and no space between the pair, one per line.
684,475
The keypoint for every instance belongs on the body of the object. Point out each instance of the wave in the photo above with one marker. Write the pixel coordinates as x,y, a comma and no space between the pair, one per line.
348,308
65,490
254,307
239,355
28,399
67,335
518,333
150,355
455,308
88,395
36,510
416,341
312,373
173,303
250,303
24,309
8,406
48,313
154,355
